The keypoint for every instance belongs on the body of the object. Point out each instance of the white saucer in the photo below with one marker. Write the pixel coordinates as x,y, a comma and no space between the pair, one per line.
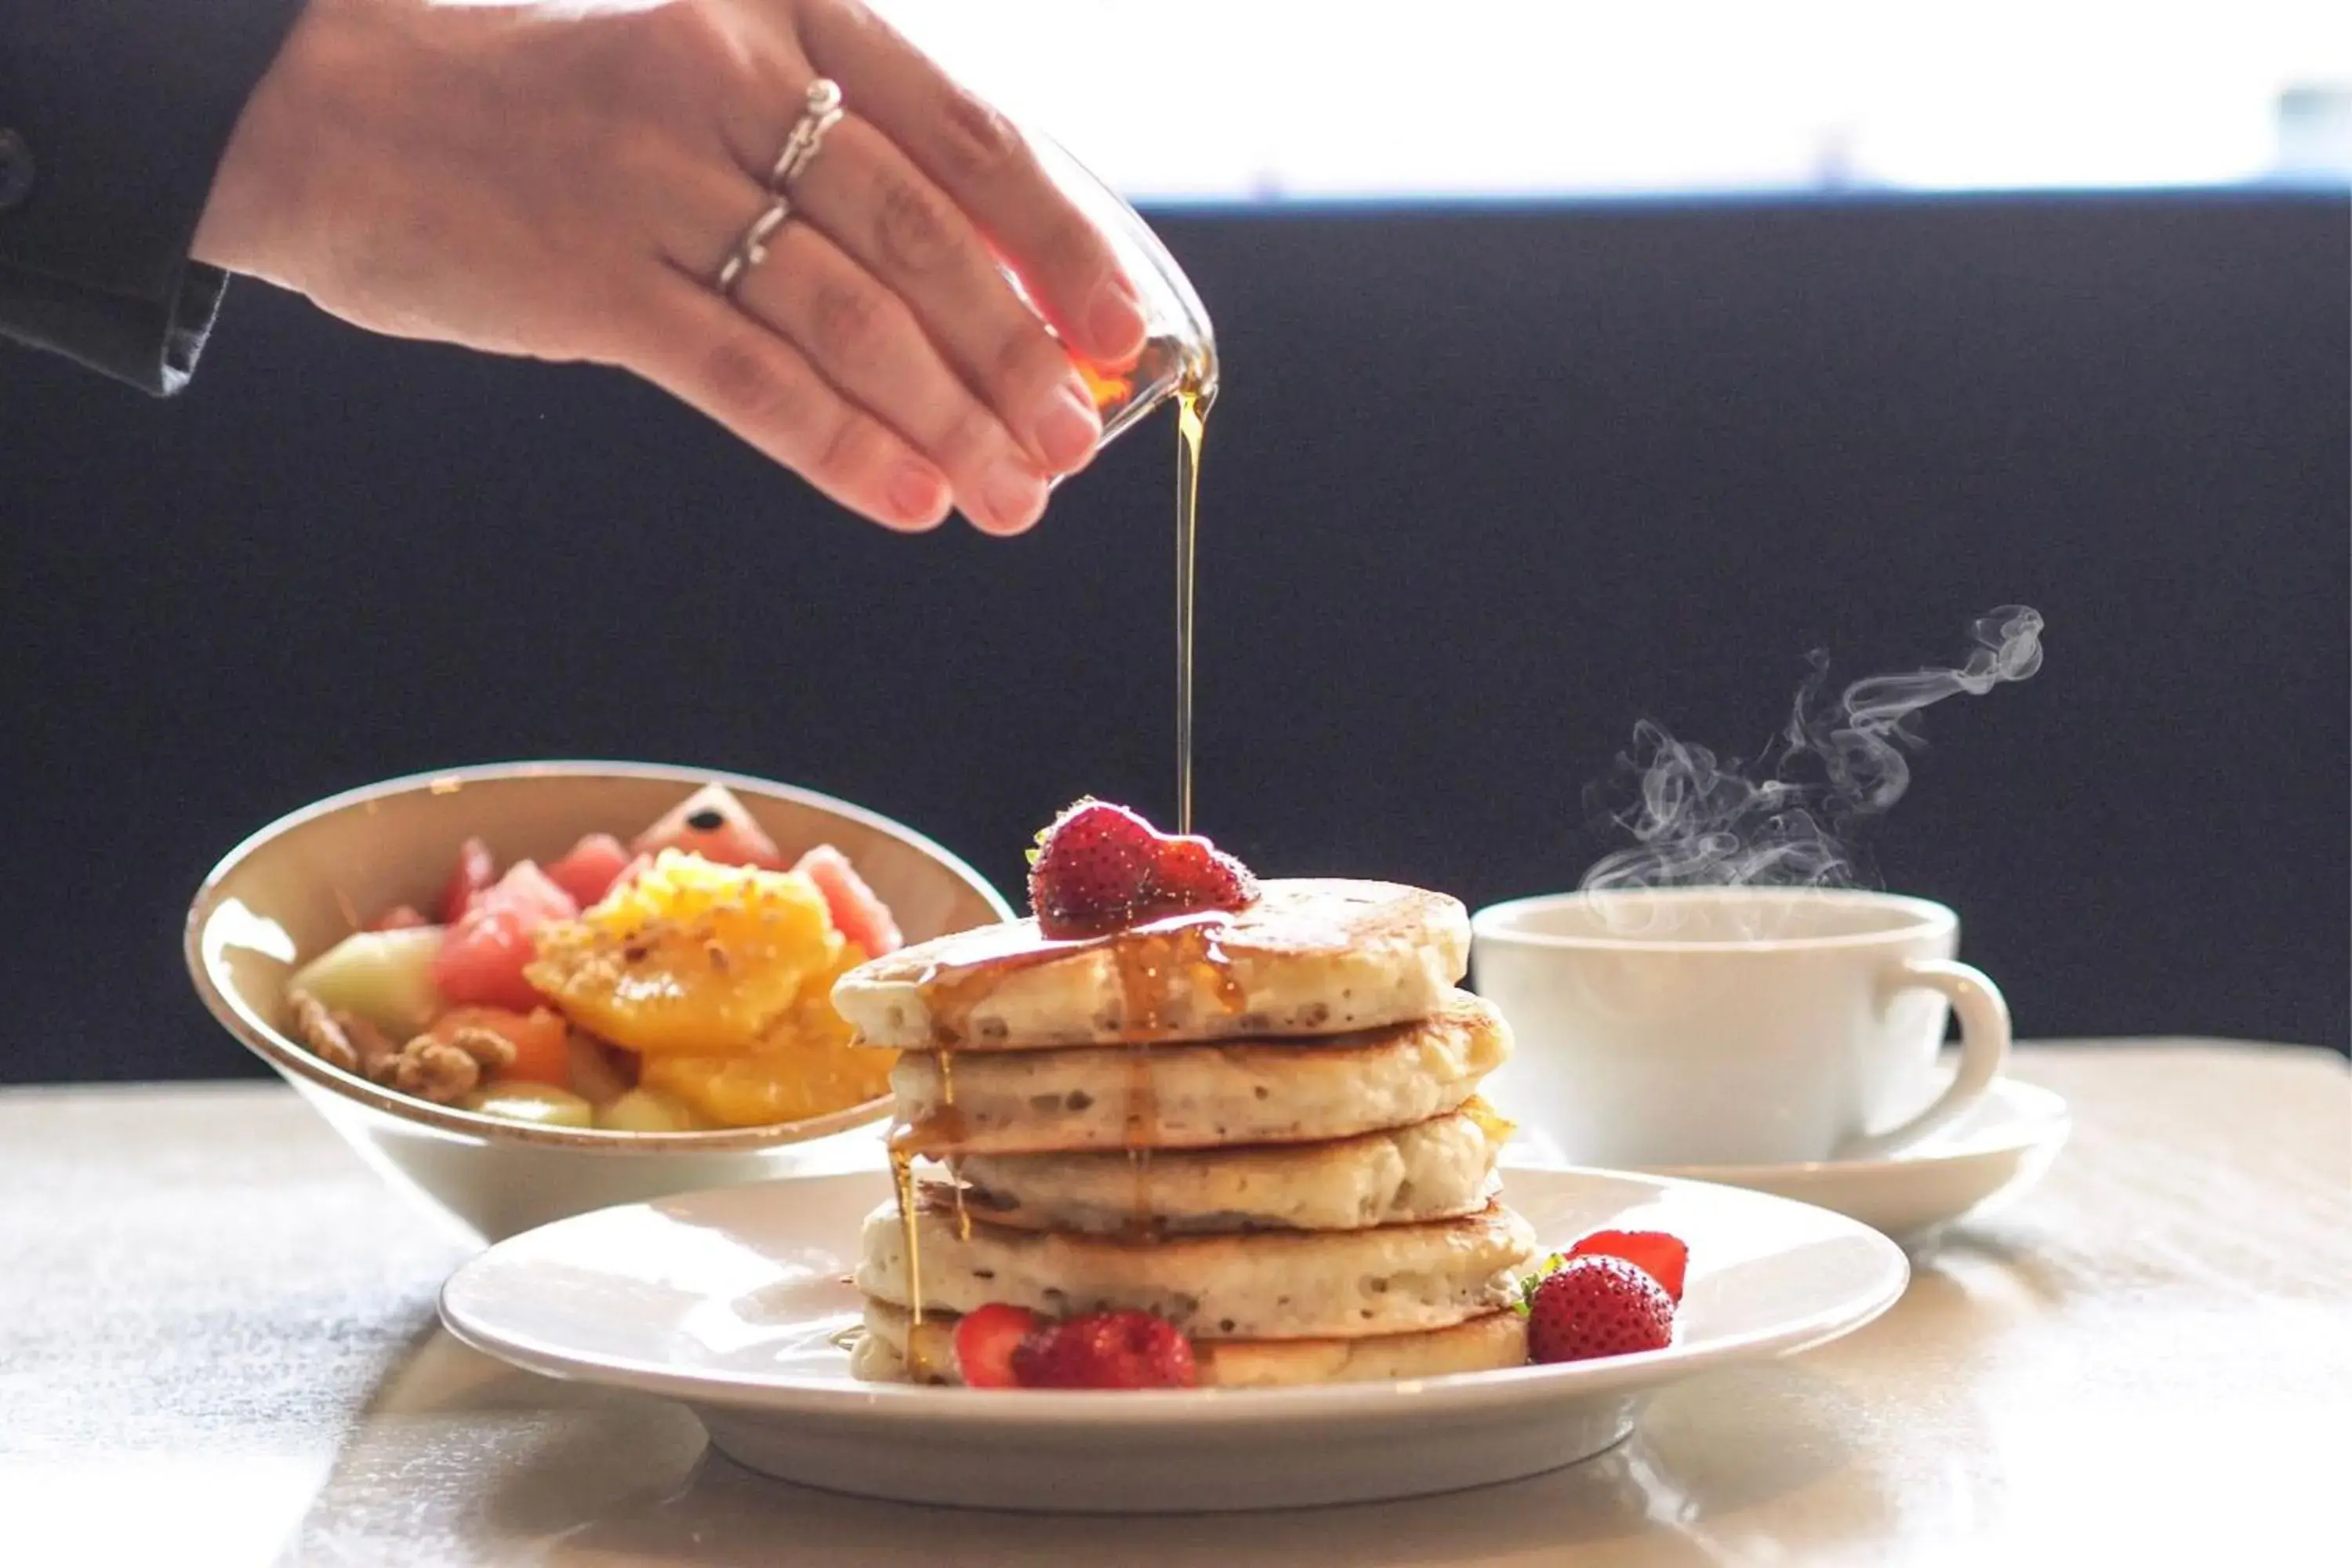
1988,1156
732,1300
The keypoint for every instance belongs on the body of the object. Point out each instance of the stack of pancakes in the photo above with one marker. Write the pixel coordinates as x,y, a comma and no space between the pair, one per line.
1260,1127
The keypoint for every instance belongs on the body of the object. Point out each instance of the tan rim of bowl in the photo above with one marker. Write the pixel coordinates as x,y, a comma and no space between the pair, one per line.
262,1038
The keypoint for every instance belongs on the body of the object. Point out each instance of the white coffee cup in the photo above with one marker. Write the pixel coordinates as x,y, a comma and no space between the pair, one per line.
1732,1026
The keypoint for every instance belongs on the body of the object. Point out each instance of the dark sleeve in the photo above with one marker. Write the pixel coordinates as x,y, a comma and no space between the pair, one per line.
113,115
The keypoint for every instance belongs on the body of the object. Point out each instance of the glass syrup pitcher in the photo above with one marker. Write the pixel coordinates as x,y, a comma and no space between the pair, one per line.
1179,348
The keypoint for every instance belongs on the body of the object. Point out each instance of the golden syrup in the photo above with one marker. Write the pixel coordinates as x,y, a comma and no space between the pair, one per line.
1155,963
933,1135
1497,1127
902,1179
1120,392
1143,963
1193,403
953,990
946,1058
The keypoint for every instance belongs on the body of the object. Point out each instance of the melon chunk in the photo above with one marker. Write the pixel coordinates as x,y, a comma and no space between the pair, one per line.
541,1104
382,976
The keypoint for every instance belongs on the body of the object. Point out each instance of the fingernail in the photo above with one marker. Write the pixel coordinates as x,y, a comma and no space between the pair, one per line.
1013,494
1115,320
1068,430
918,493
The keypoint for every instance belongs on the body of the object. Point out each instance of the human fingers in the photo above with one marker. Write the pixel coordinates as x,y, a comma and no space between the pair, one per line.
869,197
867,344
986,168
704,351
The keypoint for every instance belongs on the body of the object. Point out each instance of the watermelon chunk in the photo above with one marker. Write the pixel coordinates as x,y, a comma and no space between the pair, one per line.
858,914
590,867
712,823
482,959
469,879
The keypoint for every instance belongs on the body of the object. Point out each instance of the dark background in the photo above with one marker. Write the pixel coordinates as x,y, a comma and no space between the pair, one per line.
1486,487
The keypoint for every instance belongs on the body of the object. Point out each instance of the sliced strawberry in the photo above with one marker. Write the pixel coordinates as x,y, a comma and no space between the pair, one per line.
1661,1256
1597,1306
400,916
1089,870
1192,873
985,1340
1101,868
475,872
1105,1350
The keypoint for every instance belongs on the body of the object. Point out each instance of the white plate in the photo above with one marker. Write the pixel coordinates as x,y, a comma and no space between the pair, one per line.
1995,1151
732,1301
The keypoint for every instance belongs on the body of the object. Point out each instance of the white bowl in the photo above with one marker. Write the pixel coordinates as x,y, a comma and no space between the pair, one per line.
301,884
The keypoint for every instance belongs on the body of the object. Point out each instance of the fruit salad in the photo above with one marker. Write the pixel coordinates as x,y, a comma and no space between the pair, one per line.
679,982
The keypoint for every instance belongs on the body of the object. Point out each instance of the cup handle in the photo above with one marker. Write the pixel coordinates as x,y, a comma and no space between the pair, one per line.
1984,1050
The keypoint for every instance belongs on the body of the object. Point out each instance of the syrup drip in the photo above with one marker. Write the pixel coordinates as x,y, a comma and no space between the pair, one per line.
951,991
933,1134
902,1178
946,1059
1155,963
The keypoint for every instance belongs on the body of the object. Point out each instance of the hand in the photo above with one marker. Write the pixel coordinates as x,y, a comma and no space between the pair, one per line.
564,181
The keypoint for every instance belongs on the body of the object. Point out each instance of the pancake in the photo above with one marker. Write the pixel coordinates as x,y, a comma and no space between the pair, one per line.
1270,1285
1313,956
1200,1096
1431,1170
1477,1344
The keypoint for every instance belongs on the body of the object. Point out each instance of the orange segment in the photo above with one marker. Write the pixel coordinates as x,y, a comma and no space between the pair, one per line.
691,958
804,1065
750,1092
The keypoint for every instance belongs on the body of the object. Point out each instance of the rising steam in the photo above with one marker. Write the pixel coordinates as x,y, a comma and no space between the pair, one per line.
1791,818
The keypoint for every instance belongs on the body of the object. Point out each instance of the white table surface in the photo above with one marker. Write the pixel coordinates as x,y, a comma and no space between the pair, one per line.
217,1345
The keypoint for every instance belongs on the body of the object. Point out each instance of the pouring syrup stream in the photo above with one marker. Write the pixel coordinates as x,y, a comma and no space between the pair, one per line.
1140,970
1192,401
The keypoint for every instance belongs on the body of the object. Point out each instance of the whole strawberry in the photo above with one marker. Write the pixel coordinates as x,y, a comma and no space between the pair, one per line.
1597,1306
1087,872
1105,1350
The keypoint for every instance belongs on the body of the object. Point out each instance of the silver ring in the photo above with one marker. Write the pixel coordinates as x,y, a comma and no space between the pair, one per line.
821,111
